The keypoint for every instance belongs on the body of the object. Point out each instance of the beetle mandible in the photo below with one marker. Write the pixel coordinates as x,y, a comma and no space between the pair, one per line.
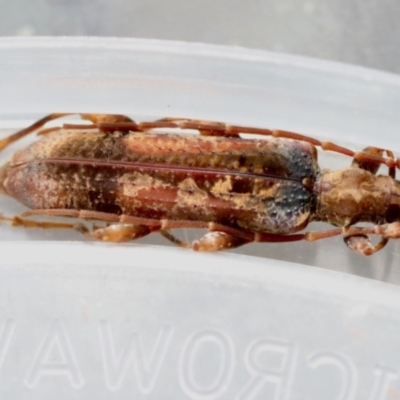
139,181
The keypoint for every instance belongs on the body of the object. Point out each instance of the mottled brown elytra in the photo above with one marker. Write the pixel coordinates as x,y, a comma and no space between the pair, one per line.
242,190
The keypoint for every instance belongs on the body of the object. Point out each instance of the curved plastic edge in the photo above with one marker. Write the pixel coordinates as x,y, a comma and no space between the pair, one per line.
205,50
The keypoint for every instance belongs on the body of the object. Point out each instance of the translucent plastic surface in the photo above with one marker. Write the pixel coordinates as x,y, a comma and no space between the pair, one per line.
94,321
89,320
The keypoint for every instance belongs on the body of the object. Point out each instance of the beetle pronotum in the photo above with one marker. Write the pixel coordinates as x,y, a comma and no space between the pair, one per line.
242,190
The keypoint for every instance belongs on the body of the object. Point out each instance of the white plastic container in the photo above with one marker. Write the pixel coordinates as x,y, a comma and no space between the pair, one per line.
83,320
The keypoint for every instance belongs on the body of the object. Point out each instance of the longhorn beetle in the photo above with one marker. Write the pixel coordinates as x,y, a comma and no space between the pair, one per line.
139,180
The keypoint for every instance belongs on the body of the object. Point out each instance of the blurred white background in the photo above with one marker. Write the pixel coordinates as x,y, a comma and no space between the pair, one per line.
362,32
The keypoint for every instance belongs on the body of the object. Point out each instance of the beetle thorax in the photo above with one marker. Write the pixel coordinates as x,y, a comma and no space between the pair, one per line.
355,195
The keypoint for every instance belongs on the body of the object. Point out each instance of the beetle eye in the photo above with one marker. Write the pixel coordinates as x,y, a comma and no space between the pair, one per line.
393,213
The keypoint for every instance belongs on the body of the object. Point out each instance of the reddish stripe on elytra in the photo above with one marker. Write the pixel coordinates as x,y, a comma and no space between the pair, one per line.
154,167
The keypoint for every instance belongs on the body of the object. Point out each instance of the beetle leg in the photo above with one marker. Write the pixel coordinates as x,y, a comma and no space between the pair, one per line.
106,118
173,239
113,122
356,237
26,131
361,244
216,241
205,128
221,129
97,119
28,223
212,128
45,131
219,237
122,232
111,233
369,165
163,224
211,241
370,160
390,231
116,233
105,123
392,169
